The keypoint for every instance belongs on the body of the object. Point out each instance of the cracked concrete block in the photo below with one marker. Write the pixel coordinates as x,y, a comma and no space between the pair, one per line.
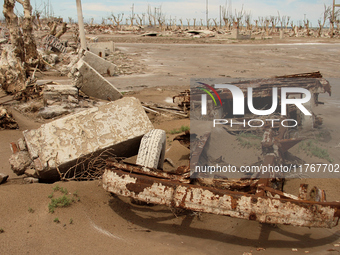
59,92
88,80
99,64
117,125
22,144
19,162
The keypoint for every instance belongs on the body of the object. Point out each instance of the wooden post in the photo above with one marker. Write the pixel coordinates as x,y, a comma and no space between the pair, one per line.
81,25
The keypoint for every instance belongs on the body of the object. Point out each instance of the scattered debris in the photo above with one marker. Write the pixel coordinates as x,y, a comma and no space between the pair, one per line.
31,180
52,43
3,178
6,120
183,100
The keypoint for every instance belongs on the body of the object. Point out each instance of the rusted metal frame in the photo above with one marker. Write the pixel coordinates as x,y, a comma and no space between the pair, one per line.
280,193
263,87
304,75
223,202
147,171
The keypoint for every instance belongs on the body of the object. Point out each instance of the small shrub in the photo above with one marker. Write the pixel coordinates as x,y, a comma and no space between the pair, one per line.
2,230
30,210
56,220
56,188
63,201
180,130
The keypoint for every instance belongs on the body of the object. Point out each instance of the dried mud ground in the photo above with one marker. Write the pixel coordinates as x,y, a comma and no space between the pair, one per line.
101,223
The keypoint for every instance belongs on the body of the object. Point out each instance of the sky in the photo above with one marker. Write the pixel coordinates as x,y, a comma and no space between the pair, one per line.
298,10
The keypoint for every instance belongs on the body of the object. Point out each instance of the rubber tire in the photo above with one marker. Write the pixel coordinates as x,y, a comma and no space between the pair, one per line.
152,149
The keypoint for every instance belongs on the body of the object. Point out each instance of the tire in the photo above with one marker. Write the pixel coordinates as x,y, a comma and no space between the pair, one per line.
152,149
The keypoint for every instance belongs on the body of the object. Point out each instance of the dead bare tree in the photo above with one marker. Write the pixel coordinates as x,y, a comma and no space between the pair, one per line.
287,22
326,14
239,15
62,30
247,19
181,21
22,54
140,19
53,27
273,20
194,23
208,21
161,21
37,16
306,24
215,23
150,15
132,18
118,19
267,21
188,20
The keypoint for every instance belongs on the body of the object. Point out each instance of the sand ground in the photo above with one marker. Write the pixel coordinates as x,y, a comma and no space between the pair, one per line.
106,224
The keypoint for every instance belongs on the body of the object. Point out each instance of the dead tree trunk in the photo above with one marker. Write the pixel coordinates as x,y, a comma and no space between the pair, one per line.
53,27
31,53
17,58
62,30
12,22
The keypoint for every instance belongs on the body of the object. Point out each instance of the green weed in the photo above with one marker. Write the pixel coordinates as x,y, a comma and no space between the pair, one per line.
311,148
63,201
249,140
179,130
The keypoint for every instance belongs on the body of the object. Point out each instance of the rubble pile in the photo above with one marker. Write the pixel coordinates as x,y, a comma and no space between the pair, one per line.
200,31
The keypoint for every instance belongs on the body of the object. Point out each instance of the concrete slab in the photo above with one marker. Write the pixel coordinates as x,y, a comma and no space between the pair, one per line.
99,64
101,48
88,80
59,92
117,125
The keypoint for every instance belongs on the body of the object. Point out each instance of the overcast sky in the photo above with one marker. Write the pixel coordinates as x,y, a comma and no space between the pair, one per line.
297,9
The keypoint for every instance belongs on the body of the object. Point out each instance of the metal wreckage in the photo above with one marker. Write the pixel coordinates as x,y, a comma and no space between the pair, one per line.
258,198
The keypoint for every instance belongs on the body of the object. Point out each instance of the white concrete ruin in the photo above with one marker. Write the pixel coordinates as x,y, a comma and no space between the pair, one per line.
117,125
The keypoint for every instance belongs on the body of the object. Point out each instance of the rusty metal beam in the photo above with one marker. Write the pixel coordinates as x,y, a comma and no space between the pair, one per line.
147,171
223,202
